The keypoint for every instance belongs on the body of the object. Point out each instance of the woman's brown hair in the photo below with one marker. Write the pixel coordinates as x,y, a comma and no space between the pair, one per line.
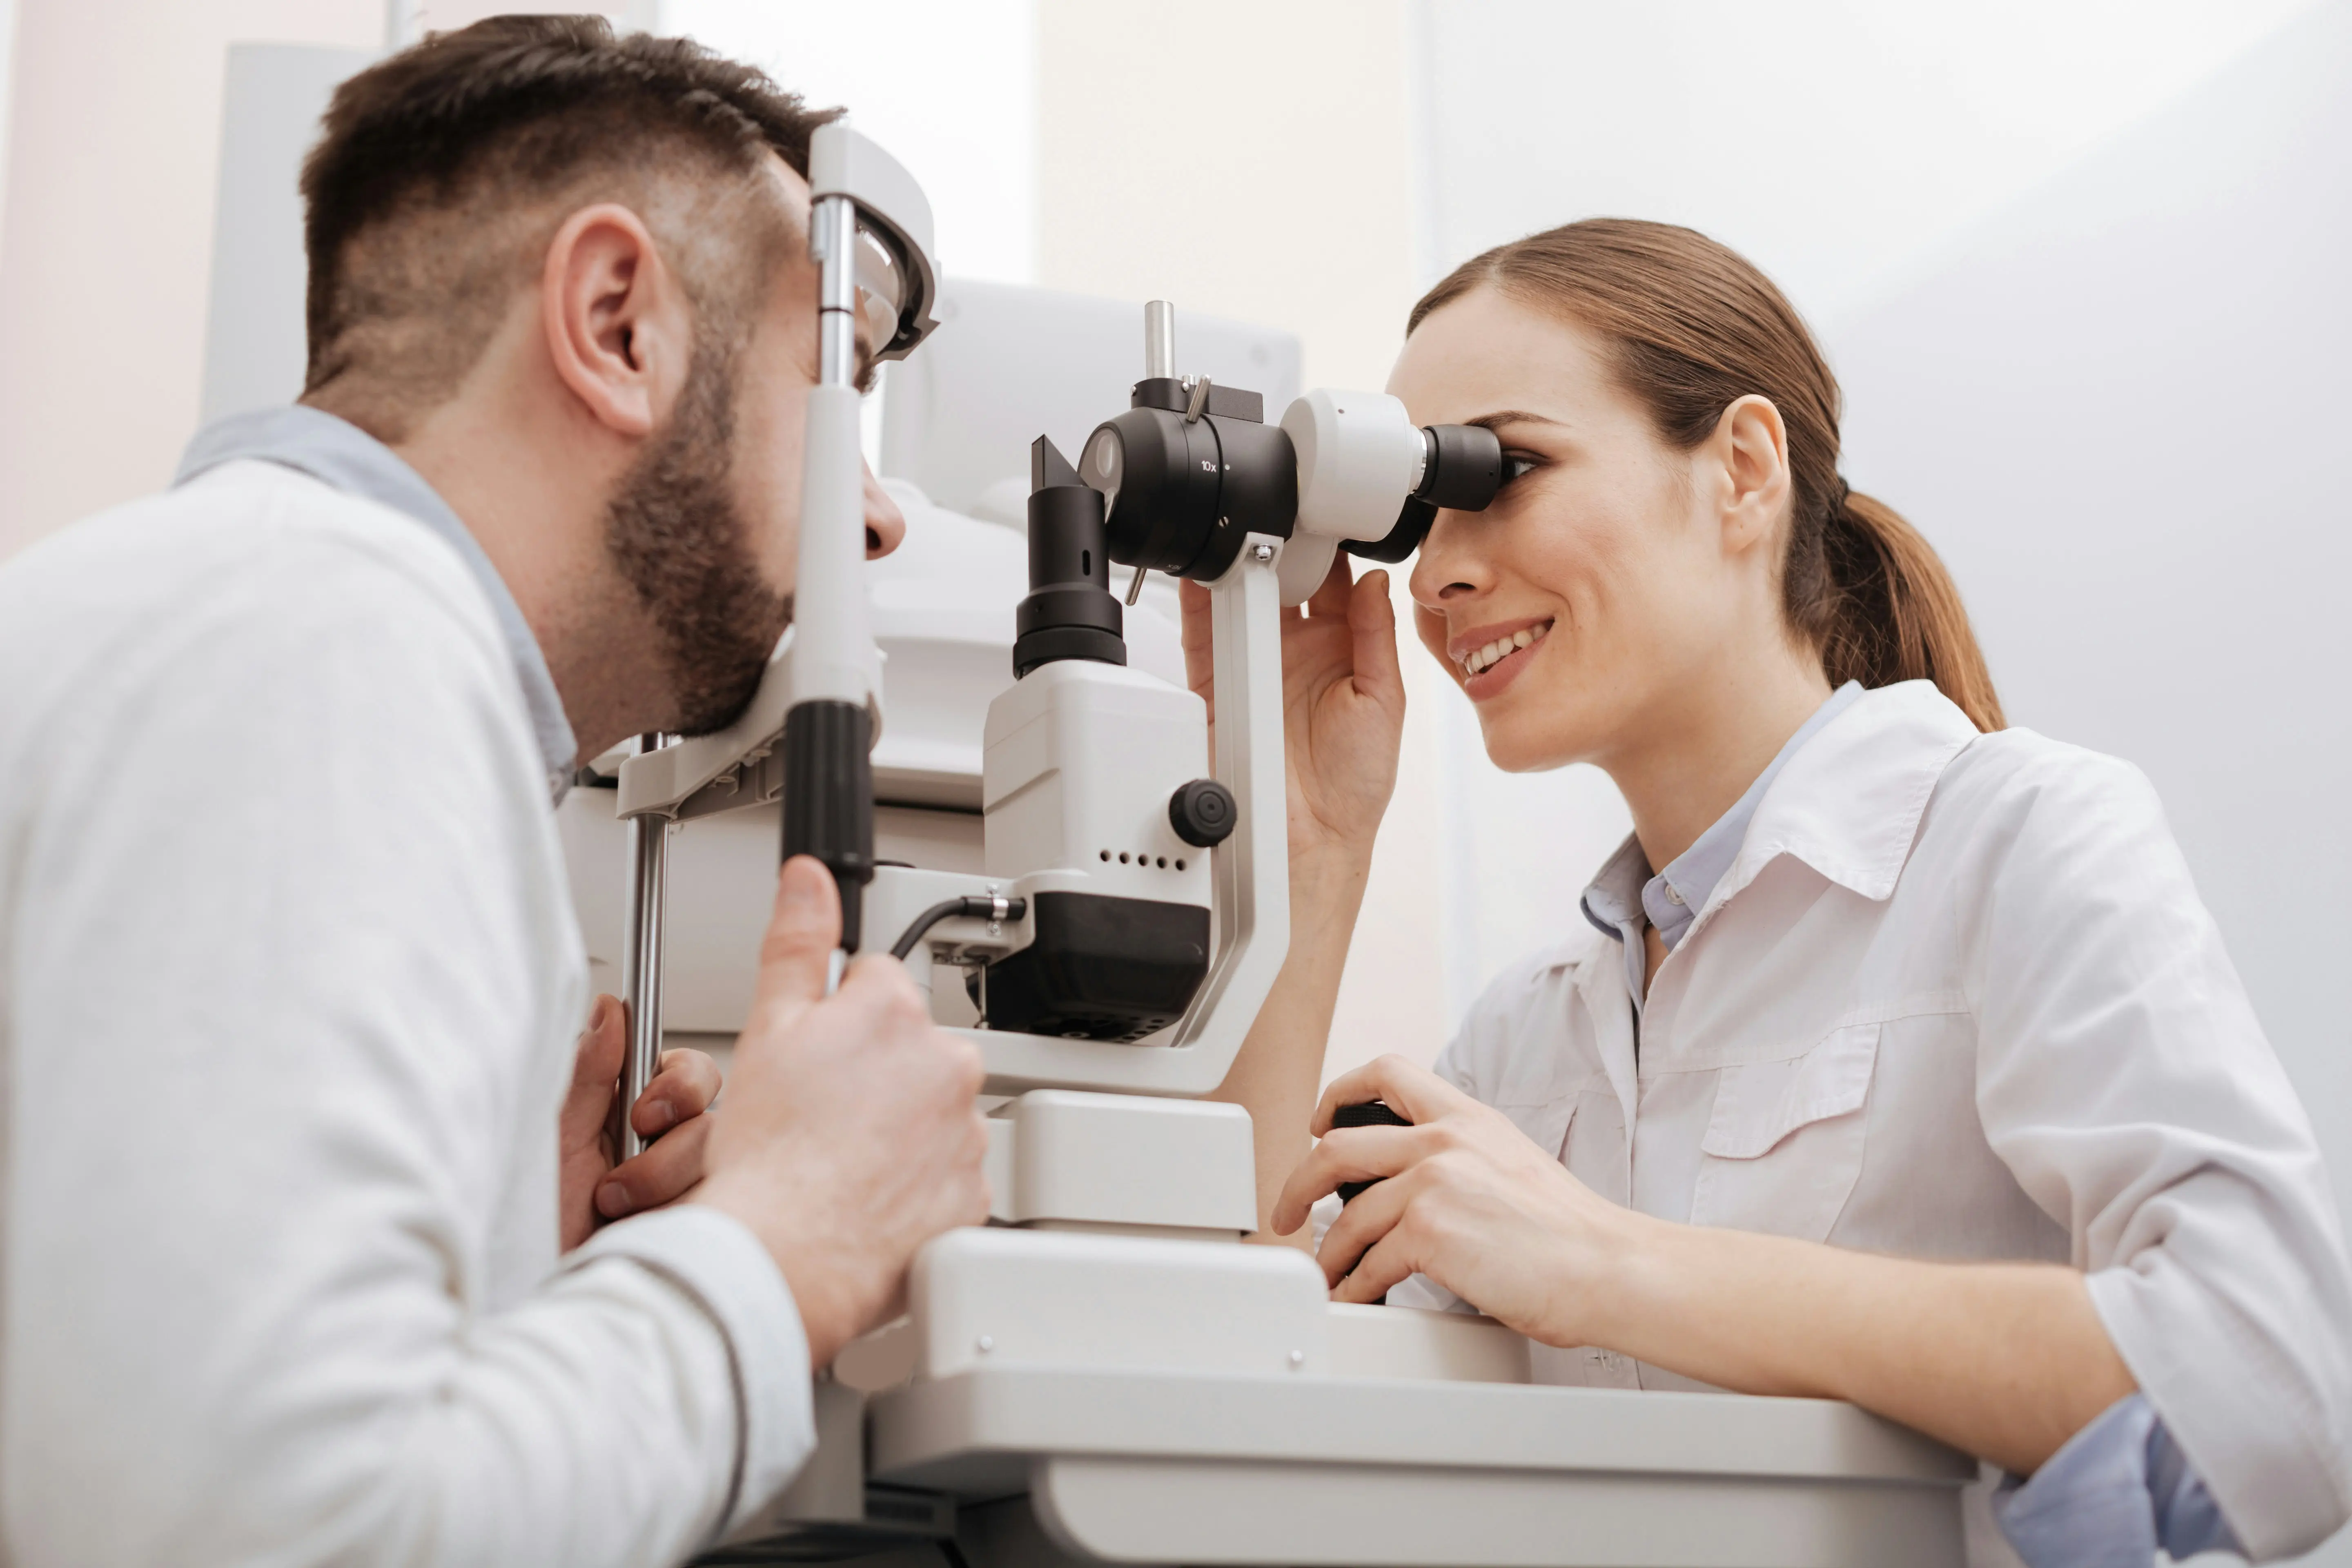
1693,327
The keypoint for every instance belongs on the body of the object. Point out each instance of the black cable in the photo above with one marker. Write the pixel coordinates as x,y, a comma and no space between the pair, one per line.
976,908
954,1554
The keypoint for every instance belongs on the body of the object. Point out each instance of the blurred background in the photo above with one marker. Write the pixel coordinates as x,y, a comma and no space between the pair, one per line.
2079,263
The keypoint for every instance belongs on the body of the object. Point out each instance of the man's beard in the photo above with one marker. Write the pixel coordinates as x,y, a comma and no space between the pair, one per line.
678,539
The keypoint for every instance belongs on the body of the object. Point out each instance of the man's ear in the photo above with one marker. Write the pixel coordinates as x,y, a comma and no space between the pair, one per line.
1752,444
618,326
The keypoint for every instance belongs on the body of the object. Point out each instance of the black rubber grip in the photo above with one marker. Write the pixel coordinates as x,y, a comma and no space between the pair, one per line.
829,799
1371,1114
1412,525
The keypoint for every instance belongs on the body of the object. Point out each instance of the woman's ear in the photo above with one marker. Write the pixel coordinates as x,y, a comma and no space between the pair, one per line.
1752,444
618,326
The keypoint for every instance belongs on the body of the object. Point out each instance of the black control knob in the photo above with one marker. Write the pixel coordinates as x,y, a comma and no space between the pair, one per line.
1203,813
1371,1114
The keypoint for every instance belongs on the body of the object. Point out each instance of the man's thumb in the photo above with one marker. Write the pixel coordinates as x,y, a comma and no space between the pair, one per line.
802,935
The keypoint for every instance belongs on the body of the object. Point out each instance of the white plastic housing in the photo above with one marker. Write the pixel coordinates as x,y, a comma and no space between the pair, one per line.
1062,1157
846,163
996,1297
1080,760
1359,455
834,656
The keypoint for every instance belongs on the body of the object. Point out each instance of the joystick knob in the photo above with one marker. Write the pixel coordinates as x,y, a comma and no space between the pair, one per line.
1370,1113
1203,813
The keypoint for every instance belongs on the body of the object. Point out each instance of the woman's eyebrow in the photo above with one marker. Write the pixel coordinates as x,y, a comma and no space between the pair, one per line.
1496,421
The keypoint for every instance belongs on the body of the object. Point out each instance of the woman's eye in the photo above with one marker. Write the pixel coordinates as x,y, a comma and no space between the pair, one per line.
1517,465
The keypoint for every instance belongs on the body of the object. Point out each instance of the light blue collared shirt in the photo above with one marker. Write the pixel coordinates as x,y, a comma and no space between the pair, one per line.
2121,1487
1620,903
339,453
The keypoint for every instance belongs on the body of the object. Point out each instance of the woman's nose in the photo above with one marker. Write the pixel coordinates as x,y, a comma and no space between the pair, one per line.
886,526
1441,569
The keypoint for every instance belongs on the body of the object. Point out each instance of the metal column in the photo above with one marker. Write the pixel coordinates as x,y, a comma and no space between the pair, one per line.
641,966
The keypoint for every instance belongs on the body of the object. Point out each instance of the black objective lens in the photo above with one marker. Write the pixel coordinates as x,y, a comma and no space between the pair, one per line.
1185,484
1069,612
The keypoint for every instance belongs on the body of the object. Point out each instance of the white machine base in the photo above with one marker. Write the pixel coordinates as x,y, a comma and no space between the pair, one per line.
1061,1398
1139,1467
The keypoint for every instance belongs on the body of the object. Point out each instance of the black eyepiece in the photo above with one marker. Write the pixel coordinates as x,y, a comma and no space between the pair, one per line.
1462,468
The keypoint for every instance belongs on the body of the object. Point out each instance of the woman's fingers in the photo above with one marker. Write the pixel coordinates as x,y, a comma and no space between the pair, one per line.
1331,596
1352,1154
1200,653
1388,1265
684,1085
665,1173
1369,1215
1372,620
1410,1090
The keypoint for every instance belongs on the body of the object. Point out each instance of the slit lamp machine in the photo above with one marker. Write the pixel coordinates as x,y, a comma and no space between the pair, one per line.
1101,1373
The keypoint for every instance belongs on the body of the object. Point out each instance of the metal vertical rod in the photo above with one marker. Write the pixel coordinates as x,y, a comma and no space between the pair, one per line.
833,244
1159,339
641,962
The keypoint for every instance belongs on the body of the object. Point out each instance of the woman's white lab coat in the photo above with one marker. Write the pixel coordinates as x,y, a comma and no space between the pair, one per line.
1957,998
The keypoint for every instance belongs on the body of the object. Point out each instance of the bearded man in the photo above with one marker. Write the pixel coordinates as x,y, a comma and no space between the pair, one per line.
304,1256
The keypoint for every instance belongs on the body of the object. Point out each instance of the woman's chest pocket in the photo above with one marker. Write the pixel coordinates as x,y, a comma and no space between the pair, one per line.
1543,1114
1783,1145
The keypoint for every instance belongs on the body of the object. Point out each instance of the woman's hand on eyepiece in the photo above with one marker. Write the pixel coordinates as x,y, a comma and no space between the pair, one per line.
1343,720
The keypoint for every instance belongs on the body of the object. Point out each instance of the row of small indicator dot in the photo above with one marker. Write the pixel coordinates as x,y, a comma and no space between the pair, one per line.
1143,859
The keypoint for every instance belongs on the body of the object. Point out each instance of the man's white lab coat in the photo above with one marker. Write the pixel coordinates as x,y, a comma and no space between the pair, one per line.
290,989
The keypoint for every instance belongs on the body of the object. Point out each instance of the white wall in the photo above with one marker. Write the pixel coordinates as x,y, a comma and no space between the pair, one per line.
948,86
107,233
7,80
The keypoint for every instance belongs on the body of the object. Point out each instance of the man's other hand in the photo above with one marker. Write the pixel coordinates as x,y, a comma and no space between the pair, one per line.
673,1109
853,1134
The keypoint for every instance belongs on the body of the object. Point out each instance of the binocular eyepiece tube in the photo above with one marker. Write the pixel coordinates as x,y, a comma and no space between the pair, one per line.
1192,467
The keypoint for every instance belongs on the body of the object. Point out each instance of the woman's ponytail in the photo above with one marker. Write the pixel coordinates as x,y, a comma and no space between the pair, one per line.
1888,610
1695,328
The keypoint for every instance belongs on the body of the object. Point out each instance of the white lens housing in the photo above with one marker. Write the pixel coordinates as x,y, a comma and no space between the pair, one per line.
1359,456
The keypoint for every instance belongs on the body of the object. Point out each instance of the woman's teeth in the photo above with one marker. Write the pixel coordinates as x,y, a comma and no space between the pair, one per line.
1494,652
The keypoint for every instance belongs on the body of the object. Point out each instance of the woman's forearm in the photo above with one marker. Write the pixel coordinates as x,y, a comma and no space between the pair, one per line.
1279,1071
2005,1360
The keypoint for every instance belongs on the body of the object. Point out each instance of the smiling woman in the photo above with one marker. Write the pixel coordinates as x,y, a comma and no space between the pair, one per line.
1612,324
1900,1063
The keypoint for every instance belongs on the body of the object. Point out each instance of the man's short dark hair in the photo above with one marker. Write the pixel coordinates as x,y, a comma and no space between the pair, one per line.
442,172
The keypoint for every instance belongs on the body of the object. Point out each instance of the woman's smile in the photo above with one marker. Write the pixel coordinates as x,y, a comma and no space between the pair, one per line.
1490,658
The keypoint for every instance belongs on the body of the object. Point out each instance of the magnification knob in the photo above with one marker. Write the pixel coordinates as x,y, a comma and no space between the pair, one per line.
1203,813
